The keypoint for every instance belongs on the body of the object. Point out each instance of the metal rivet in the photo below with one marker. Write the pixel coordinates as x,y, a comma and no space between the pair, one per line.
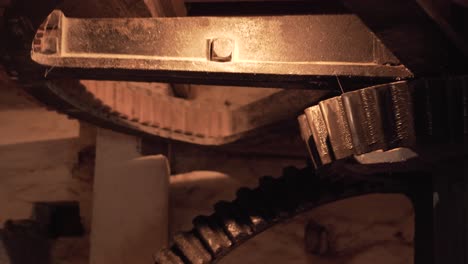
221,49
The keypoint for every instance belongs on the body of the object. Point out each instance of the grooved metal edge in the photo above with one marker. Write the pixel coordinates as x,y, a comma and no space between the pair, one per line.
401,114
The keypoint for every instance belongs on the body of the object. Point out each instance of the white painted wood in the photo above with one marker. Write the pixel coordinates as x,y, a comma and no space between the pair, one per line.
130,204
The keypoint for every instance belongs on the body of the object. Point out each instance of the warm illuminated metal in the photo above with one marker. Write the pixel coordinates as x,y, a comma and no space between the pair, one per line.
282,49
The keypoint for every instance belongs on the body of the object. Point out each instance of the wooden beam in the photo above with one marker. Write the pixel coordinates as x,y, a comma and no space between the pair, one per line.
130,202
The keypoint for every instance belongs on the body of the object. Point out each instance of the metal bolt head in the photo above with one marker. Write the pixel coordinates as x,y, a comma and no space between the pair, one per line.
316,238
221,49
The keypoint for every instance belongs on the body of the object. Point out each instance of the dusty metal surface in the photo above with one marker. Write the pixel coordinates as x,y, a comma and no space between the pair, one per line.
403,114
284,50
141,112
219,58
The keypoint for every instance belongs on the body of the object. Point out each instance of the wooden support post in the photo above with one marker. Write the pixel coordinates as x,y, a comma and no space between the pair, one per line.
130,203
451,211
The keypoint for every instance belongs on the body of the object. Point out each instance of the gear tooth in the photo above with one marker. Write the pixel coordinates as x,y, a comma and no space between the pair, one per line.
337,126
212,235
118,99
362,110
136,103
290,171
402,122
42,26
90,98
121,102
288,202
98,94
108,97
191,119
268,188
146,109
220,205
232,221
91,87
176,116
243,191
267,180
197,116
166,256
215,123
127,100
384,99
319,146
167,108
295,187
268,185
157,112
307,171
192,248
306,134
182,118
293,191
254,208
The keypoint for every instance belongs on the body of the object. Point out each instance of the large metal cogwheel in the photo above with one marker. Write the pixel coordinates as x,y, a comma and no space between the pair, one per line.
273,201
404,114
407,114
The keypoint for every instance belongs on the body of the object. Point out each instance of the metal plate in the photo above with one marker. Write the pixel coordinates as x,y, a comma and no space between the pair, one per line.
283,48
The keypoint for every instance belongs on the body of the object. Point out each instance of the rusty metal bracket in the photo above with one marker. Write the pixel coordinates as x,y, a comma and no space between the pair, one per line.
289,51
